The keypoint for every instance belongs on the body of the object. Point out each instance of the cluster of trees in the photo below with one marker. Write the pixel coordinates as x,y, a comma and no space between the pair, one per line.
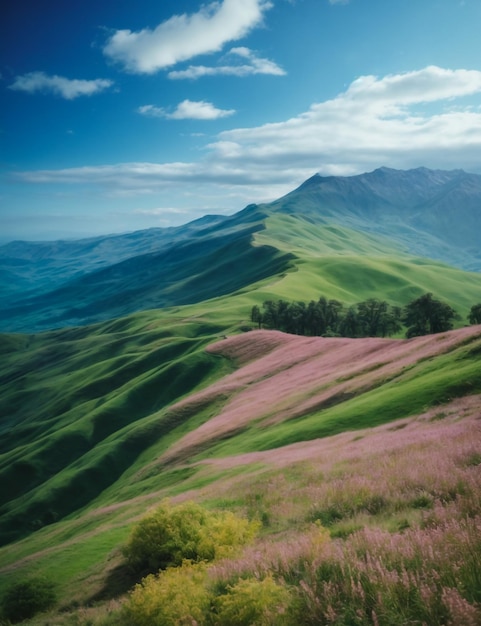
370,318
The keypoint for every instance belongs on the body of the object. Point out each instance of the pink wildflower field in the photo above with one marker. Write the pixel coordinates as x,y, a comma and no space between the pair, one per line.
285,376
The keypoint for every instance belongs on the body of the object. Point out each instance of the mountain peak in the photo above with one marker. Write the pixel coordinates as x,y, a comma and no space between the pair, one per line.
432,213
384,170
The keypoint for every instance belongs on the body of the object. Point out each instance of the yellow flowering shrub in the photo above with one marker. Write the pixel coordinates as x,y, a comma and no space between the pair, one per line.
252,601
186,531
177,596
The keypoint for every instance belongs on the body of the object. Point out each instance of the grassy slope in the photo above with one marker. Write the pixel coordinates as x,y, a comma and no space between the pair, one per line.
77,552
313,257
85,403
91,405
408,389
352,266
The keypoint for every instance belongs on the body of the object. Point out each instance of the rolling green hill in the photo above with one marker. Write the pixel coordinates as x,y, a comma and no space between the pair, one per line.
36,267
167,395
81,405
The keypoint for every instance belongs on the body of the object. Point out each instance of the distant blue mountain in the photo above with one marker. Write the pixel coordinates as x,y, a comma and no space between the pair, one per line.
431,213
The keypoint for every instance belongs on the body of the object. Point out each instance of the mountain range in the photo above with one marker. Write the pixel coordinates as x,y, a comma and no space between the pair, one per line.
424,213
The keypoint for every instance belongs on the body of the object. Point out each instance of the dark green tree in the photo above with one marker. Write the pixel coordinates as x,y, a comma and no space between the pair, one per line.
333,317
25,598
270,317
284,314
337,312
475,314
391,321
349,325
313,319
426,315
297,318
371,314
256,315
277,314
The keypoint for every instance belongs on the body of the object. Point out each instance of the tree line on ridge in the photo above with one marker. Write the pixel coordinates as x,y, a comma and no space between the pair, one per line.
370,318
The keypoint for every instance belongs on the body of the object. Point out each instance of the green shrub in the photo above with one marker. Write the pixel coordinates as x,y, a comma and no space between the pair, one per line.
166,538
252,601
177,596
224,533
185,532
27,597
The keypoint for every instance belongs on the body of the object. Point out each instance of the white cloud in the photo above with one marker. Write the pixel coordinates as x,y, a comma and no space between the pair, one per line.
427,85
65,87
183,37
254,65
374,122
137,174
187,109
402,120
160,211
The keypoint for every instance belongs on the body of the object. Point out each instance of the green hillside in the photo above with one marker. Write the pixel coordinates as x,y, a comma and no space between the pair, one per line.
431,213
175,419
189,271
352,266
99,423
82,405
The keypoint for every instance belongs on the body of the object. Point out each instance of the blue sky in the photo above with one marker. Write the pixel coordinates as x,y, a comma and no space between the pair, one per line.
118,116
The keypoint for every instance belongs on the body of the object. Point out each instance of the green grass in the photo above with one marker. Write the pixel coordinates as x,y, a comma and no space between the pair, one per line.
85,405
193,270
305,237
76,551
